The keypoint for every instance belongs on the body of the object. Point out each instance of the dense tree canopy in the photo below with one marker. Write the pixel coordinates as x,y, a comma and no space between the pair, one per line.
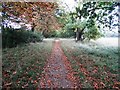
40,15
89,18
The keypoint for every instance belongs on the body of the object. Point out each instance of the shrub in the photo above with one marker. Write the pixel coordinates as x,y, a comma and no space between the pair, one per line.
66,33
92,33
61,33
12,37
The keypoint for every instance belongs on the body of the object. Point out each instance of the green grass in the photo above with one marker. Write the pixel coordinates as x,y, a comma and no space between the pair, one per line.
90,56
103,56
22,66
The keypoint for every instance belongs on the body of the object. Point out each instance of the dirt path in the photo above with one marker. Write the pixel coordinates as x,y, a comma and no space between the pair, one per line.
58,72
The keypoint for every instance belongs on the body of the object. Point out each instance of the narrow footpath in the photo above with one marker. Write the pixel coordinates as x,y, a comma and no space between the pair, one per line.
57,72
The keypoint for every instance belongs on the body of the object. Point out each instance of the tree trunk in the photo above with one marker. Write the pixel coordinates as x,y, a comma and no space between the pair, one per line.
32,29
78,35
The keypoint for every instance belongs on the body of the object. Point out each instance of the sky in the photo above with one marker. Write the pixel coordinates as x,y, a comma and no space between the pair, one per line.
70,3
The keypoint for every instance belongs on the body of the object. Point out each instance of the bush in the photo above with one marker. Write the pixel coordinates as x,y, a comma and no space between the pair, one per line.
67,33
11,37
61,33
92,33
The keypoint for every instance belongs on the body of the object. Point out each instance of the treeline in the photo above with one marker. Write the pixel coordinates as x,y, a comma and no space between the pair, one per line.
60,34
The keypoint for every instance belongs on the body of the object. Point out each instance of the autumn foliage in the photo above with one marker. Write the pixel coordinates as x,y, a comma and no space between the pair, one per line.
40,15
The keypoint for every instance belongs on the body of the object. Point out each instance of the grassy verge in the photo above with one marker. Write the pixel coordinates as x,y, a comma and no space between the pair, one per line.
22,65
95,66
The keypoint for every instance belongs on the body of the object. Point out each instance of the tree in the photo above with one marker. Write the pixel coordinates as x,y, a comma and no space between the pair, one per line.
40,15
95,13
